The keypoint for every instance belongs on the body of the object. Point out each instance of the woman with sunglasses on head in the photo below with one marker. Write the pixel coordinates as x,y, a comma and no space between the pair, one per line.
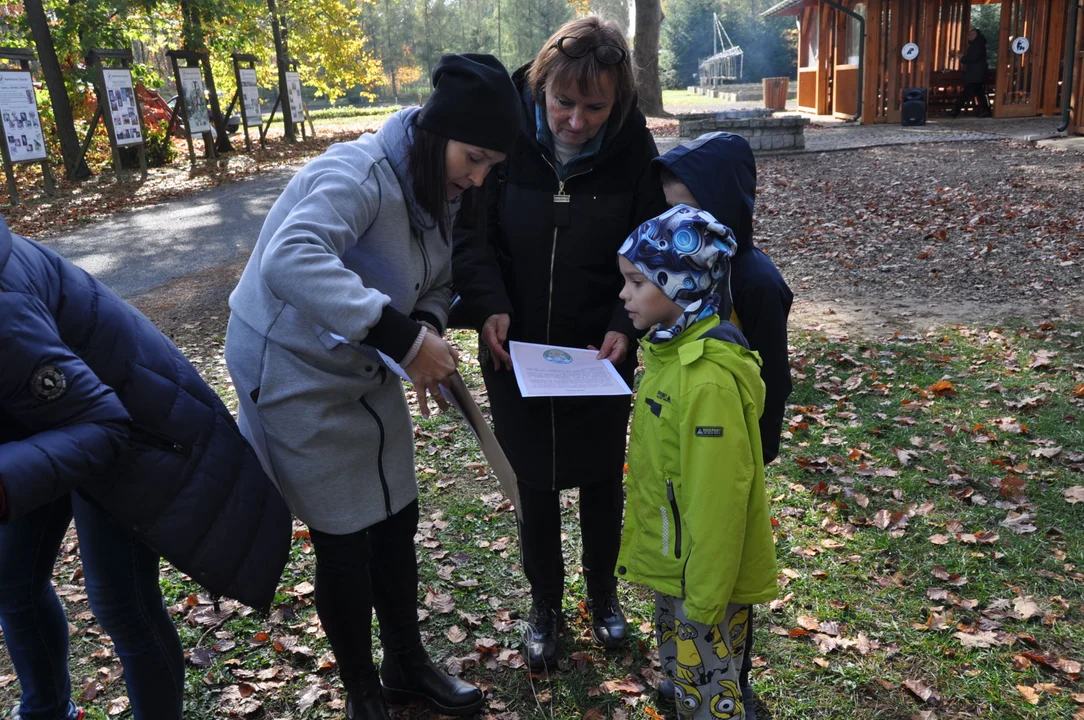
576,184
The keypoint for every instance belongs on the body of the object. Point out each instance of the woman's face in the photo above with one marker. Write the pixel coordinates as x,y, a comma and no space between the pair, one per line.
973,35
466,166
575,117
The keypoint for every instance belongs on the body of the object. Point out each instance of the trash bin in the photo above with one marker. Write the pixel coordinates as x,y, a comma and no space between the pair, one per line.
775,92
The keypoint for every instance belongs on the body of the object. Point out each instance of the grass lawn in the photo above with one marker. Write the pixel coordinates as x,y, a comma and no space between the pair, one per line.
927,542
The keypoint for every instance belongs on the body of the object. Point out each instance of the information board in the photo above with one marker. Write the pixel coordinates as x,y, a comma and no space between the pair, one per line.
22,125
195,100
122,106
250,96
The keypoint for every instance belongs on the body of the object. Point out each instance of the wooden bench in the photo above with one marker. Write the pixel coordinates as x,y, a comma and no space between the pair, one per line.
946,86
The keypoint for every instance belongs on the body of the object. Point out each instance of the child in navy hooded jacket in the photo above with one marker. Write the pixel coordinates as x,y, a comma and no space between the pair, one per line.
717,172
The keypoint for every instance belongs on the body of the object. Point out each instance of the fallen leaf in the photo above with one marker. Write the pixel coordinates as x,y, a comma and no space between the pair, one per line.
1019,523
628,686
808,622
239,700
953,579
1074,494
982,639
305,588
942,388
1026,608
116,707
308,697
1042,358
1028,694
456,634
922,691
1046,452
939,539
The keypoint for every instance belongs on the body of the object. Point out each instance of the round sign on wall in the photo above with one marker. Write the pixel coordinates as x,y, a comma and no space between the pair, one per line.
910,51
1021,45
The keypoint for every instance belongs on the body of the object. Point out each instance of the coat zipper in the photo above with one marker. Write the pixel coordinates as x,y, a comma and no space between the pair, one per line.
154,439
560,197
419,237
380,457
677,517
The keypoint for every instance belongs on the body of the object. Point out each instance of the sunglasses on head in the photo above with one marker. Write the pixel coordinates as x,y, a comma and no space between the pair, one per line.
575,47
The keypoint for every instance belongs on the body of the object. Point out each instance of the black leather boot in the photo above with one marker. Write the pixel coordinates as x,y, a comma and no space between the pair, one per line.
364,701
608,625
413,676
667,691
542,634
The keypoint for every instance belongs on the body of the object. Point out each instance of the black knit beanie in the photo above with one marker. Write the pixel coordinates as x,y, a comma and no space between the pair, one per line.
474,102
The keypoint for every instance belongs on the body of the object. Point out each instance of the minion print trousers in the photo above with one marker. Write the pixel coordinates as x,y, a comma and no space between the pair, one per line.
704,661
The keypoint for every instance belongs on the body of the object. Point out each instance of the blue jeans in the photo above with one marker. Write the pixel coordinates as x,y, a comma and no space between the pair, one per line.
121,575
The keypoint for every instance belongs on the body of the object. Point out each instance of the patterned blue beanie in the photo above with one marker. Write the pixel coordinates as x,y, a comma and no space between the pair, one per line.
685,252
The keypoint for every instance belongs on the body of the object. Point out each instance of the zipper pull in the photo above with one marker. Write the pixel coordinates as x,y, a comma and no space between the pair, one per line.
670,490
562,208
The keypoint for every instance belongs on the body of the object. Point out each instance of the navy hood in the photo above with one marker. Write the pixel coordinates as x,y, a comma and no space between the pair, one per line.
720,171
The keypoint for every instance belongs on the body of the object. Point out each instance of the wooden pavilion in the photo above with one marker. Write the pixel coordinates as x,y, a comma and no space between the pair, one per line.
845,72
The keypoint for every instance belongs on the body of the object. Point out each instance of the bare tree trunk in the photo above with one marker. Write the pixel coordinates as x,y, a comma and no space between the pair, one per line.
646,56
282,56
75,167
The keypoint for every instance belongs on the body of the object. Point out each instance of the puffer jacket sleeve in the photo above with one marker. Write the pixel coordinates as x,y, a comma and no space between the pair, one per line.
476,272
78,427
762,302
717,471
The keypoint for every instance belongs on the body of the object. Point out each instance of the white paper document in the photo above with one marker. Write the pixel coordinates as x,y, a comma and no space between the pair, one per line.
552,371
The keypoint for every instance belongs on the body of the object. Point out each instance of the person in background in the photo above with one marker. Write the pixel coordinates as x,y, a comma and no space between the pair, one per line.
104,420
975,70
576,184
352,269
717,172
697,525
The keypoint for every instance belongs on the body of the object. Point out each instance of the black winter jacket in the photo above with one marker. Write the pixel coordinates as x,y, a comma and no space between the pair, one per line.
550,260
95,399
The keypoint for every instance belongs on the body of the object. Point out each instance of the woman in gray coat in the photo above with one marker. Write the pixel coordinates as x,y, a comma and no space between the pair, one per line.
352,269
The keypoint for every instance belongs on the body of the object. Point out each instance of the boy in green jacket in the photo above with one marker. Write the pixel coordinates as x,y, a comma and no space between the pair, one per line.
697,528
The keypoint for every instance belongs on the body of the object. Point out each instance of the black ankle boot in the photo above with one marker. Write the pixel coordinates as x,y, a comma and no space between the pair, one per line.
542,634
608,625
364,701
413,676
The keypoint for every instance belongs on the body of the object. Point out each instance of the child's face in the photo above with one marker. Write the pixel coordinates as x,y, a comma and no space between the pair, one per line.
645,303
677,194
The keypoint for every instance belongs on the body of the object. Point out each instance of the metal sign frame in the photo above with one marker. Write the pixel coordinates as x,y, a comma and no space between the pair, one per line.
23,58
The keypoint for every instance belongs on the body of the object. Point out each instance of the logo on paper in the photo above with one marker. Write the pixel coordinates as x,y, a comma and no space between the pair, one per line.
559,357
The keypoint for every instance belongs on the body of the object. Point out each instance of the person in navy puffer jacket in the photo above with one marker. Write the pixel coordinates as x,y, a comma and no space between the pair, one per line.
103,419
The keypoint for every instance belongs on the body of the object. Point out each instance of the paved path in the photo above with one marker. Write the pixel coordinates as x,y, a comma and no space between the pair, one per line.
136,251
